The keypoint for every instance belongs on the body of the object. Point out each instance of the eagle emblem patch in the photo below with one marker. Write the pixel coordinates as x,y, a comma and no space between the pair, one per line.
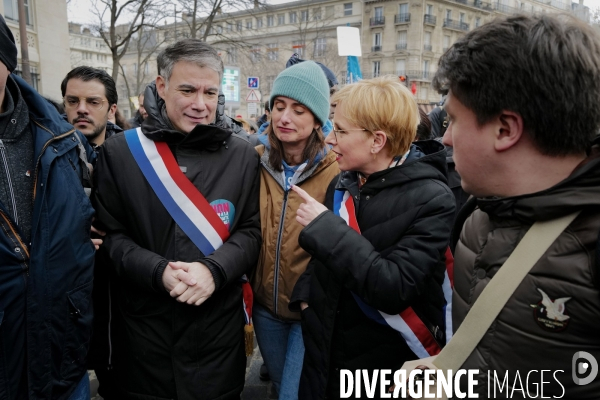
550,314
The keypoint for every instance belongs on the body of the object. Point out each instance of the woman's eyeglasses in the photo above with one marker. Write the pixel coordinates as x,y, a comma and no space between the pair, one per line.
337,132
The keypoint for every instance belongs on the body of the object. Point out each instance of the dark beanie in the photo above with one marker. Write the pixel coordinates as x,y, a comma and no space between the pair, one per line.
8,49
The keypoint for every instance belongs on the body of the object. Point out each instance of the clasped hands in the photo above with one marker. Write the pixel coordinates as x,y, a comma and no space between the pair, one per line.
190,283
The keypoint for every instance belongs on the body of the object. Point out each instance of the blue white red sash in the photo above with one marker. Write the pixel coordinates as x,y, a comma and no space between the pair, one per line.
412,329
184,202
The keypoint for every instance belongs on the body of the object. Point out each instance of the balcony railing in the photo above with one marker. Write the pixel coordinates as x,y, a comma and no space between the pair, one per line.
377,21
416,75
503,8
401,46
376,48
401,18
429,19
460,26
427,47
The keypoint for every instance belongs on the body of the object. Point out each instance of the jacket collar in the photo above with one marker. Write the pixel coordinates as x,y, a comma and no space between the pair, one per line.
43,114
579,190
322,163
157,126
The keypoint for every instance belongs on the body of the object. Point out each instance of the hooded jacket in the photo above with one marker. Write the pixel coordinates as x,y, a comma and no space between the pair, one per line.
46,285
171,350
282,260
405,215
555,311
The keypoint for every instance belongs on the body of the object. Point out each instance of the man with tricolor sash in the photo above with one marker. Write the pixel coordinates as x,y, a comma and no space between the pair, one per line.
178,198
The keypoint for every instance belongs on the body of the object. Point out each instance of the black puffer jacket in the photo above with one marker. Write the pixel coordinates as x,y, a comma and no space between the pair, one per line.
405,215
172,350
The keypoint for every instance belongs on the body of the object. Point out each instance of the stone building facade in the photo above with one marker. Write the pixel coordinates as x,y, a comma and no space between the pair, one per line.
47,39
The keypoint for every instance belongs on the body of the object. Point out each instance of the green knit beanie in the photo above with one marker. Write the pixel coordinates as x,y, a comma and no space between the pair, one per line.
306,83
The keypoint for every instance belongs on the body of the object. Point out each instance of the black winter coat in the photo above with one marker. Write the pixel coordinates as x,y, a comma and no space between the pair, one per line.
172,350
405,216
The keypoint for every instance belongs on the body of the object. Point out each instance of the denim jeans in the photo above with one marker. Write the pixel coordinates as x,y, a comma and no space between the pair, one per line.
82,391
282,348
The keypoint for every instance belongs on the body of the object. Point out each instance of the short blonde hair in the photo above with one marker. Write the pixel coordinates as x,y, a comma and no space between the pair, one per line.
382,104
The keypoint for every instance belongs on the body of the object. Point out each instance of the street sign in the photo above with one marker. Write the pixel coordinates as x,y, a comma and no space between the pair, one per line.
253,96
253,82
252,109
231,86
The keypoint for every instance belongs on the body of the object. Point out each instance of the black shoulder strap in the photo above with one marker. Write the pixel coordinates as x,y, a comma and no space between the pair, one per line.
461,217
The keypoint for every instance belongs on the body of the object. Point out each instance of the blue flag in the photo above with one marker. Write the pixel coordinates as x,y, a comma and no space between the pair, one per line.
354,74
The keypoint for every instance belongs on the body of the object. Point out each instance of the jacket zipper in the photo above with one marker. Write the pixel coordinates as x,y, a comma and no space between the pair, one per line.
18,237
10,185
278,250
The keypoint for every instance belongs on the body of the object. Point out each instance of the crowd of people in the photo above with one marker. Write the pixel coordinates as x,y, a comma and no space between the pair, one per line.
350,229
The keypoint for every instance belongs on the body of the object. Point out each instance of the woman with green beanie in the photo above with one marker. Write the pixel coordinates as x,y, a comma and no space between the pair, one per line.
293,153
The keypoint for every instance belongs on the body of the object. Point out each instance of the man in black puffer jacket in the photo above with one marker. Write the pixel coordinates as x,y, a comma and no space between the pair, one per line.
189,345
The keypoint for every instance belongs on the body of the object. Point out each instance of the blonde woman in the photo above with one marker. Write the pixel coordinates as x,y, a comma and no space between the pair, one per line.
378,245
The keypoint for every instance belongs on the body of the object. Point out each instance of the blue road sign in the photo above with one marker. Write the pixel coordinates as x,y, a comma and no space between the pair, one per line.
253,82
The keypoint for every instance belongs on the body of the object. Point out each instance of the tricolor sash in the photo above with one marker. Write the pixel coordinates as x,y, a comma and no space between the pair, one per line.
412,329
184,202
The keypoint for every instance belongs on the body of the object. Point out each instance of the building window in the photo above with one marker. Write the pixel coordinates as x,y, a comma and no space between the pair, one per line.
376,68
446,42
377,39
429,9
232,55
317,14
270,20
304,16
272,51
449,15
238,26
378,13
426,69
293,18
219,29
11,11
298,47
330,11
402,44
280,19
347,8
403,9
477,22
423,93
427,41
400,67
320,47
461,18
259,23
248,24
229,27
255,55
146,68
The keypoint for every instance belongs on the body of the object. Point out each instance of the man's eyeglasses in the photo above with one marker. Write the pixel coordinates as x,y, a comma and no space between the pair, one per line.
338,132
95,103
